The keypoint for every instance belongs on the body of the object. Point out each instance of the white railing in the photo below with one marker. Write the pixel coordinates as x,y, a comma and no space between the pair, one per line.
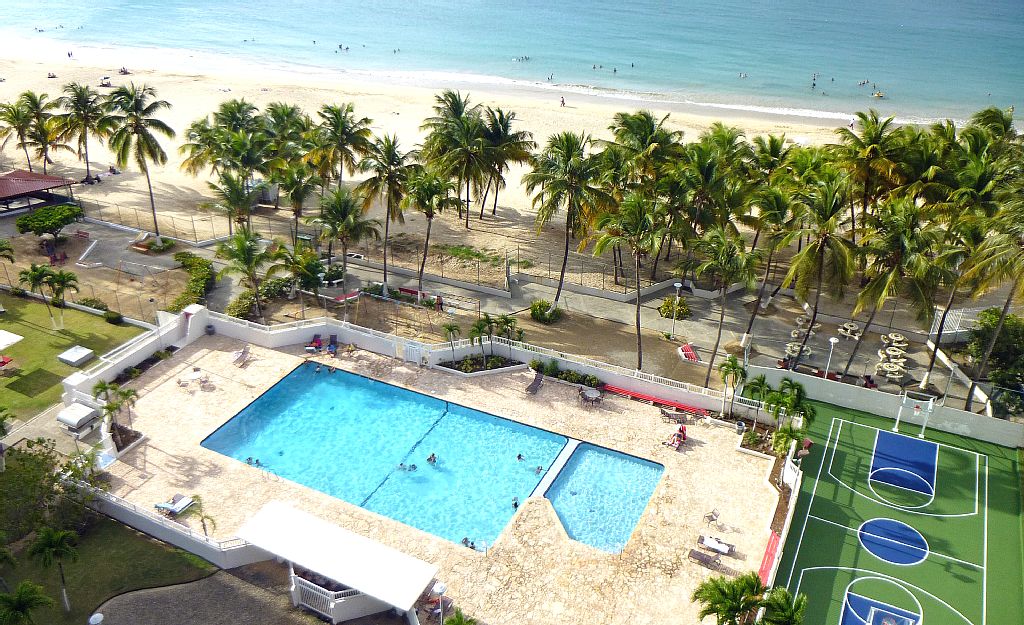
313,596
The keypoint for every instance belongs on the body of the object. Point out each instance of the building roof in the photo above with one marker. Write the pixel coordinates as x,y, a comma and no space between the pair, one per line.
19,182
361,563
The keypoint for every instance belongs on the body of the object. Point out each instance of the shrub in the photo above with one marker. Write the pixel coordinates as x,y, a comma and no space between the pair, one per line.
467,365
495,362
113,317
591,380
92,302
540,311
242,306
200,281
132,372
163,246
18,292
751,438
668,308
537,365
162,354
333,272
56,302
276,287
48,219
551,368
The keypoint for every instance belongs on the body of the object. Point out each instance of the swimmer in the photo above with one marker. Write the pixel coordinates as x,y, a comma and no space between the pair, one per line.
402,467
519,457
248,460
465,541
515,503
472,545
412,467
257,463
538,470
432,459
331,369
317,369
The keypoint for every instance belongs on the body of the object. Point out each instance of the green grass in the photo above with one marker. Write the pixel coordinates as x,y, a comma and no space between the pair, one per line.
113,559
468,252
991,538
35,384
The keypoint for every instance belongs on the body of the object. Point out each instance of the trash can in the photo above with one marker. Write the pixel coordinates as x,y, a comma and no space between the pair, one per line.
741,427
210,330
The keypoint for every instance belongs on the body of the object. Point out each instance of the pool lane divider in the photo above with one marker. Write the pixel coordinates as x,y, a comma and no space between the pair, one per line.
556,467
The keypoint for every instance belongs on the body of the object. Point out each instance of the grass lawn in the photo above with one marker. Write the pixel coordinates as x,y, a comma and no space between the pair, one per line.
35,385
113,559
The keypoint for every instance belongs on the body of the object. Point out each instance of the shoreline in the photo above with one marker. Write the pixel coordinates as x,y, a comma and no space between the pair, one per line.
40,49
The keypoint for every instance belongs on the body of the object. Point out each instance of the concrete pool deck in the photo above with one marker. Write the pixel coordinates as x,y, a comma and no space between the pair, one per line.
533,574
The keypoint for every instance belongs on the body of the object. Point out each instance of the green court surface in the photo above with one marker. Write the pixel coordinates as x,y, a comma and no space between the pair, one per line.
945,548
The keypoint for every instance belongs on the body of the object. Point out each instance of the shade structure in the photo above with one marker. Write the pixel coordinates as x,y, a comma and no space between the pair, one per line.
8,338
76,415
19,183
361,563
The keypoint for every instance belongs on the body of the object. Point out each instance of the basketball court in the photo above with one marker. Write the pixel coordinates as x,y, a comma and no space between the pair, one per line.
894,525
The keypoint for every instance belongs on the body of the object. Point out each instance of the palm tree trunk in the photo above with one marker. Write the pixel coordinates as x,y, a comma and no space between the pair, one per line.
760,292
254,279
152,204
295,232
483,202
718,339
561,274
992,343
938,335
387,235
423,262
856,346
654,267
63,588
494,208
639,347
467,202
814,314
28,159
85,148
344,277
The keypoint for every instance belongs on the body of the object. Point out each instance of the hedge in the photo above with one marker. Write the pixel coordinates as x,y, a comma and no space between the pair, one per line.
200,281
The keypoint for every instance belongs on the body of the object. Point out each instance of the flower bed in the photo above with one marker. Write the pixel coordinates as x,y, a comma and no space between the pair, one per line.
474,364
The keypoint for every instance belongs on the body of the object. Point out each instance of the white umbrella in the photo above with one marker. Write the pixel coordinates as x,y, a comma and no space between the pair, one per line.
8,338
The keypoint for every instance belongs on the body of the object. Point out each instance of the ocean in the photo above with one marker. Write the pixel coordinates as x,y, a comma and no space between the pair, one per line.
932,59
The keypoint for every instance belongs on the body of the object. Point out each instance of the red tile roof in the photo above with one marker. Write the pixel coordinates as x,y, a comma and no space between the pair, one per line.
18,183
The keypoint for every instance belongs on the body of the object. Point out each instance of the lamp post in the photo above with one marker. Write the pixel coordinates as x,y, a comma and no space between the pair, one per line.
675,308
832,345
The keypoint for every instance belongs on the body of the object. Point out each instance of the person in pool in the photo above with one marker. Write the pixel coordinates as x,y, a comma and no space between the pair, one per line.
402,467
519,457
538,470
432,459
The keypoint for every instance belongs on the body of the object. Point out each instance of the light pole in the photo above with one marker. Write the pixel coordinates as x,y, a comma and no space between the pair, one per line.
675,308
832,345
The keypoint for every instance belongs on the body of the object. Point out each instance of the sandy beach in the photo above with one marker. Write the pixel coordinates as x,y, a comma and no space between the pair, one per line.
397,103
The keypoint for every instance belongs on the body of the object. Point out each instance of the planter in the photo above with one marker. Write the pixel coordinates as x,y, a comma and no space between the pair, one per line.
474,365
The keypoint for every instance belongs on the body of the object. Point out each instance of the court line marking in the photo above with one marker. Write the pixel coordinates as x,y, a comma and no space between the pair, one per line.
892,609
876,574
927,550
984,555
807,515
935,463
888,505
980,567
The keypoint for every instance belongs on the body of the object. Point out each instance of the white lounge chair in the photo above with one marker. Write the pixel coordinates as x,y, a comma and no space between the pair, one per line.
241,356
178,504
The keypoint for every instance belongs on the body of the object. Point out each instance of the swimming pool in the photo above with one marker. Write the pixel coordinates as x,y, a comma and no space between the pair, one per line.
346,435
600,494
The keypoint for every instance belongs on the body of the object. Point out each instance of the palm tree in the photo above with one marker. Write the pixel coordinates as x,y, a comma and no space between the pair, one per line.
37,276
430,194
901,245
134,130
60,282
733,374
15,122
342,219
467,155
234,197
455,121
451,332
637,224
17,607
827,260
565,178
774,403
506,327
782,608
390,169
53,545
505,146
126,397
730,600
83,114
481,328
6,250
795,400
246,257
459,619
197,511
45,138
725,258
341,139
776,218
298,182
871,155
759,388
302,263
783,437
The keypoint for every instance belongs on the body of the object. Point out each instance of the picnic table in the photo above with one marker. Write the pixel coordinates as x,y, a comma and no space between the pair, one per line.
590,396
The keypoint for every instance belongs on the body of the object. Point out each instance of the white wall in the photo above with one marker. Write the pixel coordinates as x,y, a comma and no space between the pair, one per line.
360,605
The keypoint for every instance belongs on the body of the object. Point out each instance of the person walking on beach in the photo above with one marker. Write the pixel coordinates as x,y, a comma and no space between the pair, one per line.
563,102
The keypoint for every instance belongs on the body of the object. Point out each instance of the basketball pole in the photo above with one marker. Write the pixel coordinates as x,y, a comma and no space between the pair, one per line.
927,413
899,413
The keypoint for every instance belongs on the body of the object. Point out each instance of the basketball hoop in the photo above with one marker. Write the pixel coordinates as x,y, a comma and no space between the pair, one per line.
917,410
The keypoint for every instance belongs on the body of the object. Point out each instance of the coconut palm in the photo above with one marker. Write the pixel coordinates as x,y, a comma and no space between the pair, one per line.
826,262
36,277
15,122
429,194
198,512
55,546
237,115
234,197
247,257
466,156
16,608
777,216
637,225
782,608
733,374
565,178
646,144
505,146
871,155
83,114
6,250
134,130
60,282
342,219
302,263
341,139
451,332
298,182
201,148
455,120
389,167
725,257
45,138
730,601
900,245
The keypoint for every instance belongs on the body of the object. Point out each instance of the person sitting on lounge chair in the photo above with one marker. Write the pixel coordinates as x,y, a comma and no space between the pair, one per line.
178,504
675,440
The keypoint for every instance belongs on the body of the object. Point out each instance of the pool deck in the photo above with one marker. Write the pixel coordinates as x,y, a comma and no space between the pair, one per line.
533,574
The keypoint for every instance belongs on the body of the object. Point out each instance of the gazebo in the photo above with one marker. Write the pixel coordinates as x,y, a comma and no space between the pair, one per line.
19,187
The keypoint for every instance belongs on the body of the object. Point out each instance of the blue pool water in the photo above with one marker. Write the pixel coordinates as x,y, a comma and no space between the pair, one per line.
345,435
600,494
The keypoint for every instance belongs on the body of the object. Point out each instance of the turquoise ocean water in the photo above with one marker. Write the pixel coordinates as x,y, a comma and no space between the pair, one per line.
932,58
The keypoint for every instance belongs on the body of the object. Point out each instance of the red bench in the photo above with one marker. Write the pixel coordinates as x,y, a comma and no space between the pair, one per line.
82,234
700,412
688,352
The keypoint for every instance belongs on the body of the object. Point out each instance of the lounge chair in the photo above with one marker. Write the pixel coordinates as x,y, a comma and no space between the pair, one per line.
178,504
712,517
241,356
538,380
675,416
332,345
711,543
705,559
315,344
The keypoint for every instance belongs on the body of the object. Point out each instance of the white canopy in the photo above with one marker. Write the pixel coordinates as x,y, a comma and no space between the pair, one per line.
76,415
8,338
366,565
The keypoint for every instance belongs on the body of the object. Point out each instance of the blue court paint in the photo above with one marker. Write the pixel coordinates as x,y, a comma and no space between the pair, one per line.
893,541
904,462
865,611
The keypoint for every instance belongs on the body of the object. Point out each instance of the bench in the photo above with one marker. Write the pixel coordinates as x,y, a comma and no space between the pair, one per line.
650,399
687,352
708,560
81,234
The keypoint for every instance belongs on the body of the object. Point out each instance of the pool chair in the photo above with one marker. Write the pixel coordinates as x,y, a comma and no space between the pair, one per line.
538,380
315,344
178,504
332,345
711,517
240,357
